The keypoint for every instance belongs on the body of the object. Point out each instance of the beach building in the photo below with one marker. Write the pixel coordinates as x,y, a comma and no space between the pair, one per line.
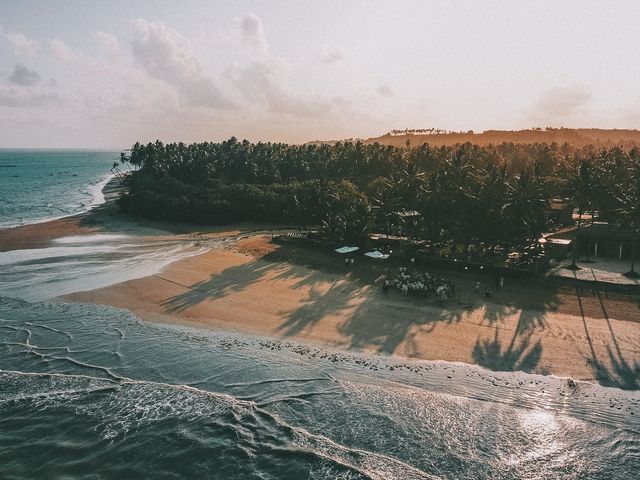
602,239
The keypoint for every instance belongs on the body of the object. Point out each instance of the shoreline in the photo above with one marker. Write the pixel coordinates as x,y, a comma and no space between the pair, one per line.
256,286
104,190
248,288
39,234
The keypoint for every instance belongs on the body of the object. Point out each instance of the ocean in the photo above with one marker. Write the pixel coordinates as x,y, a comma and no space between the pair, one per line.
89,391
38,185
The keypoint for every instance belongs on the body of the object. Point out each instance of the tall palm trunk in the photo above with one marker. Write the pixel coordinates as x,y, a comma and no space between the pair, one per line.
632,272
575,247
589,238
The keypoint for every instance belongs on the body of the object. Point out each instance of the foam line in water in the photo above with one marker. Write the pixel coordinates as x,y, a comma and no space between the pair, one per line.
37,274
397,420
96,190
369,464
97,238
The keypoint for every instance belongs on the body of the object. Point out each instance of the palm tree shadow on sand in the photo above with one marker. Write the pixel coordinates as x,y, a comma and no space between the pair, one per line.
620,373
516,356
232,280
397,320
319,305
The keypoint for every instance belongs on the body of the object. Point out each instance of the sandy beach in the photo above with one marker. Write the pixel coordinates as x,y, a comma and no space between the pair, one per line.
281,288
260,287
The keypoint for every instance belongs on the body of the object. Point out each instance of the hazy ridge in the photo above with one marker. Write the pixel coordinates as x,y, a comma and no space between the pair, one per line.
575,137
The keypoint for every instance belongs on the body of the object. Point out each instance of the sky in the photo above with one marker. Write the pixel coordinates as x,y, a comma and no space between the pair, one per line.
105,74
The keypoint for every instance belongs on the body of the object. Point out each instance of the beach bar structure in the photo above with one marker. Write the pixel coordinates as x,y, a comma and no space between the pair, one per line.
602,239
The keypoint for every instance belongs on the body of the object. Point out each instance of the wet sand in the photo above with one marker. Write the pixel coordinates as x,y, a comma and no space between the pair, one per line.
39,235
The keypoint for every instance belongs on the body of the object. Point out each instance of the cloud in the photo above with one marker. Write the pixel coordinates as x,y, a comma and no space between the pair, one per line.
561,103
259,82
23,76
384,91
331,54
168,56
110,44
62,51
14,97
22,44
251,32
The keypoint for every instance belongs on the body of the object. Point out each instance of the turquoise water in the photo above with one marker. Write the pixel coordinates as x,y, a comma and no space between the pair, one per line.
36,185
89,391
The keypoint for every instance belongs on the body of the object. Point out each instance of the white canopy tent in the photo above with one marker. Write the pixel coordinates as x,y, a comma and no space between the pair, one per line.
377,255
347,249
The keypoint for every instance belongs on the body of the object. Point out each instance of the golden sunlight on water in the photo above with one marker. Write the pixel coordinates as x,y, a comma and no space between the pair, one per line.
540,427
544,432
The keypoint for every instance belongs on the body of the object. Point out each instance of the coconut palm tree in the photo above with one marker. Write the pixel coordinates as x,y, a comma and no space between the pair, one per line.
629,195
582,188
526,207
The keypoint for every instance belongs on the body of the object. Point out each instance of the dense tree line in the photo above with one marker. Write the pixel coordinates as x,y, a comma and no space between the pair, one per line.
464,193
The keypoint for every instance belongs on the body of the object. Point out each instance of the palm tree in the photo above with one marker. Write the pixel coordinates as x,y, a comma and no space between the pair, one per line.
455,187
629,211
526,207
488,223
582,190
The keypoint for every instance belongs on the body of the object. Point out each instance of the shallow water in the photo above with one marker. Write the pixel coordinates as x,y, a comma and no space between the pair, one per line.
87,388
81,263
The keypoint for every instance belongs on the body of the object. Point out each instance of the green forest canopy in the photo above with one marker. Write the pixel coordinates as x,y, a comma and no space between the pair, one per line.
464,192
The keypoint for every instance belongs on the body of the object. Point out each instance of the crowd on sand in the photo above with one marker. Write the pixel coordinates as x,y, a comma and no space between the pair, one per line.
426,283
423,283
420,283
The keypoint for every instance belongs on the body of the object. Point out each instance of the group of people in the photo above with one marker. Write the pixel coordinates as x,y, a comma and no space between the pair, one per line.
420,283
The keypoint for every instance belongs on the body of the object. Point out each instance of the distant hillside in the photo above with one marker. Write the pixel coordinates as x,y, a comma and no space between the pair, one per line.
577,137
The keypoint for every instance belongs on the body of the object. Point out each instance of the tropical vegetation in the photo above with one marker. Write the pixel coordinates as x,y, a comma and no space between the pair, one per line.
464,193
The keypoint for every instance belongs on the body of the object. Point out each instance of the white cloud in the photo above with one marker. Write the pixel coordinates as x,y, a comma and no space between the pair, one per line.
23,76
331,54
156,86
110,45
22,44
260,82
251,32
168,56
62,51
561,103
384,91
